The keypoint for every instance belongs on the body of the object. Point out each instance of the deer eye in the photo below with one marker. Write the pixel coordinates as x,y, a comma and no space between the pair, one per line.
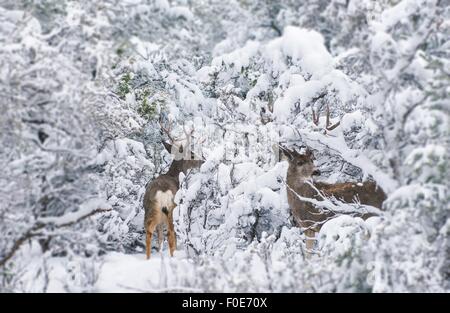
300,163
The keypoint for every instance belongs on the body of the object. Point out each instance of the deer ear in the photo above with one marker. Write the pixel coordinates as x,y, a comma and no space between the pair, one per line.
286,153
168,146
309,153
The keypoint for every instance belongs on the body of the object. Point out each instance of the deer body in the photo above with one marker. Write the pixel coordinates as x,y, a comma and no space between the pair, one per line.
158,206
305,214
308,216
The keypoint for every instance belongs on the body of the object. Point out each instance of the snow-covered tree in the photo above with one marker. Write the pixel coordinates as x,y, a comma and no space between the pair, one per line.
87,85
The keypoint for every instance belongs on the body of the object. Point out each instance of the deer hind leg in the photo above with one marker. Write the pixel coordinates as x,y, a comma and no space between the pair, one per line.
149,234
310,241
159,229
172,238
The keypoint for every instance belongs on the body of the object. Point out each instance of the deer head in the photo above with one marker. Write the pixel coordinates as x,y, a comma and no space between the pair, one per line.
300,164
184,157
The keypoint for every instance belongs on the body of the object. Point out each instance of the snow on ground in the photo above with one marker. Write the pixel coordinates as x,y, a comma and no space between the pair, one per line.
131,273
120,272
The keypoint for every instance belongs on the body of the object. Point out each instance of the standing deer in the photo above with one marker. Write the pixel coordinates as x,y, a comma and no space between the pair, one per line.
159,196
299,183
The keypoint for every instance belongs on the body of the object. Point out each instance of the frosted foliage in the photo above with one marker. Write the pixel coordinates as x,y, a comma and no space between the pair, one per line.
91,89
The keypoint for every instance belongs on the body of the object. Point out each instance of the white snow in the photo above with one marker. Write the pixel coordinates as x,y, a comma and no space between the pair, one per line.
143,48
353,119
301,93
134,273
179,11
239,58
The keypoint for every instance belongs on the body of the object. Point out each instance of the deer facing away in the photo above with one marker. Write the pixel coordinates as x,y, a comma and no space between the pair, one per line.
159,195
306,215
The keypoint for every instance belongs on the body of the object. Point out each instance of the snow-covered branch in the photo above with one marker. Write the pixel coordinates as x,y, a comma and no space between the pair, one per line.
320,141
57,222
336,206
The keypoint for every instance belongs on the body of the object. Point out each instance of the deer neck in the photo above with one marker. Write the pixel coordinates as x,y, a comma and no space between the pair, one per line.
174,172
295,179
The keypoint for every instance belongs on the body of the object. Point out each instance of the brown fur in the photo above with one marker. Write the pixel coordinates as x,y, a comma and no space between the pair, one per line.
306,215
155,218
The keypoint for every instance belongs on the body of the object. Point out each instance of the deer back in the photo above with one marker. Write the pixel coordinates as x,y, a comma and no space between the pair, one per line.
368,193
160,193
308,215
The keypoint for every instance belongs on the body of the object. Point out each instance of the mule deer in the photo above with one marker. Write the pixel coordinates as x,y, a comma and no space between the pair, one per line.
159,196
299,185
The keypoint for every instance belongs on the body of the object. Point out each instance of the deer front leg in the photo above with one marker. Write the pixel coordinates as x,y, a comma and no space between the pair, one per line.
148,243
310,240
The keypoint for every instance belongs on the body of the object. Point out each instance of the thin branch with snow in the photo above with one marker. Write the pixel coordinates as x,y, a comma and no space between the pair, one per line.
58,222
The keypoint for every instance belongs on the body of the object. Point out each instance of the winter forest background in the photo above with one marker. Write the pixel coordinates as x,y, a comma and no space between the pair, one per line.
83,85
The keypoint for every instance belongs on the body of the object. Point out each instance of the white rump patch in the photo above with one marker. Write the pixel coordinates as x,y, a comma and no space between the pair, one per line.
164,199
